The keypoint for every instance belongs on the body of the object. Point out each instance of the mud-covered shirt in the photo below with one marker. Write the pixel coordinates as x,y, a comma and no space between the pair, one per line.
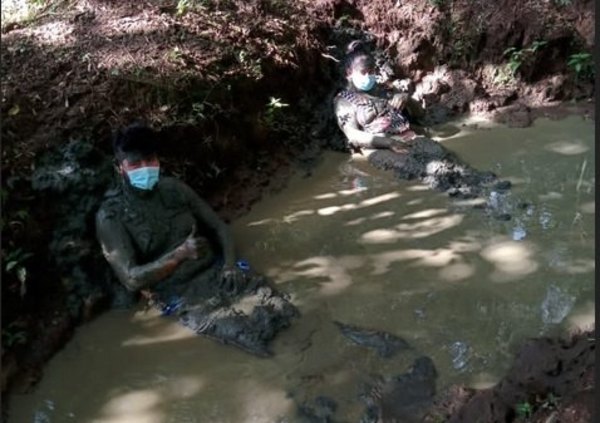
369,113
136,230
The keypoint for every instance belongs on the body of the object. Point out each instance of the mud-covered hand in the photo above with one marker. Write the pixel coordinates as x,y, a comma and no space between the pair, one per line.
399,101
193,247
232,280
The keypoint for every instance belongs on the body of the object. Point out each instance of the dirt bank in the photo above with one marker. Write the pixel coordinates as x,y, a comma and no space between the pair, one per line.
241,93
551,380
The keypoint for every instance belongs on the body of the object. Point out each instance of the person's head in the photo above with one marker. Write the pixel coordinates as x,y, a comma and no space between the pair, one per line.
135,149
359,67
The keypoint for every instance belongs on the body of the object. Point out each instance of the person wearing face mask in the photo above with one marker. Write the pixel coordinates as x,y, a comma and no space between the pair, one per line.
374,120
370,115
162,239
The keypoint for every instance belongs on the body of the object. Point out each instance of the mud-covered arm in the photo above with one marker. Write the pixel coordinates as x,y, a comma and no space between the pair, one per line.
346,119
120,254
203,212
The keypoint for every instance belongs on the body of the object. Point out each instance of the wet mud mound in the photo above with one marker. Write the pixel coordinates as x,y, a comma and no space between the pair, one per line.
384,343
551,380
402,398
249,319
440,169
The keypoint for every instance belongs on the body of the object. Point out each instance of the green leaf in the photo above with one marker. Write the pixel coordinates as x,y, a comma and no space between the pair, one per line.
509,50
10,265
14,110
22,274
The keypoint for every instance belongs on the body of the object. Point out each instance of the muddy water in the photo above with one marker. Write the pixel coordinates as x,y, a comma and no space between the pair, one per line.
353,245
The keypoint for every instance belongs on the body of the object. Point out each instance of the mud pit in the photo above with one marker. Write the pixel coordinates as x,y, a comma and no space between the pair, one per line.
341,263
84,68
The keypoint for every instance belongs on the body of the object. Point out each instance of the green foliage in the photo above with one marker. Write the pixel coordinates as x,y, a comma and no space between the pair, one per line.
175,54
272,113
516,57
503,75
436,3
551,402
15,264
15,258
582,64
562,2
198,110
25,12
252,65
13,335
185,6
524,410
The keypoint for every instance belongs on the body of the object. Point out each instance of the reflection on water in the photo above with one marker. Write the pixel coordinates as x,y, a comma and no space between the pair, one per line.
352,245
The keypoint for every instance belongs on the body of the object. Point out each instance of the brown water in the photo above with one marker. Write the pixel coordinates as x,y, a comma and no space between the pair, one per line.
352,244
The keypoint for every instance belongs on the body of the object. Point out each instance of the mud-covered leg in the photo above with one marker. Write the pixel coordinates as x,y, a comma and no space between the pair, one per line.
249,319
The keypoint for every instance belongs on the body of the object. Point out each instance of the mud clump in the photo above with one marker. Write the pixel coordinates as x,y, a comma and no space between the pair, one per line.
71,179
386,344
436,166
550,380
249,319
402,398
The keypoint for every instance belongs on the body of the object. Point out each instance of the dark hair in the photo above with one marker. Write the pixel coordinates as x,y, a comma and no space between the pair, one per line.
136,138
357,52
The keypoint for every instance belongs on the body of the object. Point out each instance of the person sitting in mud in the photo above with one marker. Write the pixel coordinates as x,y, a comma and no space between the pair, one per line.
162,239
371,115
375,121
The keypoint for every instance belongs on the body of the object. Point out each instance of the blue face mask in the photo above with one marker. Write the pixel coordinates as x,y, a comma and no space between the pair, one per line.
363,82
144,177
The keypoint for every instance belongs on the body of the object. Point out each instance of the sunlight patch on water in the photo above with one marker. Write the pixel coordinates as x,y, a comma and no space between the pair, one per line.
185,387
577,266
418,188
568,148
456,272
133,407
326,196
552,195
424,214
421,229
290,218
589,207
328,211
261,222
484,380
512,260
430,258
168,333
375,216
582,317
260,402
332,272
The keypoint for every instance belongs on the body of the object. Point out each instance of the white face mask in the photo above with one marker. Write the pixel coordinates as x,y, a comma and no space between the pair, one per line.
363,82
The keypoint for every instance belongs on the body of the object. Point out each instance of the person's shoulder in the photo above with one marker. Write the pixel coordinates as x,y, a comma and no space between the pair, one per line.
111,205
171,183
342,100
342,95
174,191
